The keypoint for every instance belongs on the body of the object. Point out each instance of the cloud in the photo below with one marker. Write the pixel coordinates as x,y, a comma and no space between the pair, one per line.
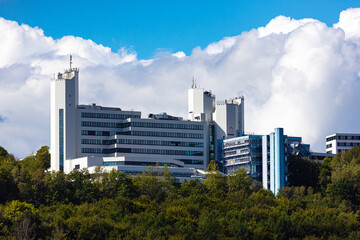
350,22
298,74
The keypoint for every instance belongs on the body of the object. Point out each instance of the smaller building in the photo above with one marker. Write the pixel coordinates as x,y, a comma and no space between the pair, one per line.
264,157
242,152
341,142
319,157
136,165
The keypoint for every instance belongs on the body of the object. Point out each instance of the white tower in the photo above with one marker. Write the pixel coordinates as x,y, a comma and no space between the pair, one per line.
229,117
201,104
64,102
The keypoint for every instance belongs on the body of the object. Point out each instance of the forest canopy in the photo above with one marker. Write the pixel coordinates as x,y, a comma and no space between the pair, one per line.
323,203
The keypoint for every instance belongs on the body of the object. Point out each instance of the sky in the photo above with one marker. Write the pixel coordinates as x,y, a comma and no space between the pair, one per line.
150,27
296,62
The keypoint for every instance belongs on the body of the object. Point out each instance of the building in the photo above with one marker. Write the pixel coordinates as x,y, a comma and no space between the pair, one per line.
90,135
264,157
319,157
229,118
242,152
277,147
87,136
341,142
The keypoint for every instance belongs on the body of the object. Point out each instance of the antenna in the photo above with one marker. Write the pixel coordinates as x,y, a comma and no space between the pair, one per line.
70,61
193,83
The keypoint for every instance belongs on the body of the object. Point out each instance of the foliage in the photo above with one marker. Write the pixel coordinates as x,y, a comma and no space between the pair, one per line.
37,204
302,172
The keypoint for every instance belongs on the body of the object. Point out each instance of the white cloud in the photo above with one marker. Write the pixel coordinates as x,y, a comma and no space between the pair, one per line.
179,54
283,25
298,74
350,22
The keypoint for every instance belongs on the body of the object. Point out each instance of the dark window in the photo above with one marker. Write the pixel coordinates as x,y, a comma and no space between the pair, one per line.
61,139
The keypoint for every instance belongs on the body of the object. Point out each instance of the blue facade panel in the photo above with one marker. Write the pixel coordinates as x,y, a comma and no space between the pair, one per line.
279,159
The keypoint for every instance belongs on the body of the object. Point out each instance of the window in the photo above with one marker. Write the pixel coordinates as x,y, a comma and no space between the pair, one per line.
162,134
77,166
61,139
167,125
108,115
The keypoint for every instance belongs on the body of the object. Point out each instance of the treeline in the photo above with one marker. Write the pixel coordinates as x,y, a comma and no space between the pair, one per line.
37,204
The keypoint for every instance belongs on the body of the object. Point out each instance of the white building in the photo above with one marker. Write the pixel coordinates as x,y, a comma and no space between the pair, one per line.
341,142
229,118
92,135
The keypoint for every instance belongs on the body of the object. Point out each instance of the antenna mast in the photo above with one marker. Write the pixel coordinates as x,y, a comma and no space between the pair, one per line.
70,61
193,83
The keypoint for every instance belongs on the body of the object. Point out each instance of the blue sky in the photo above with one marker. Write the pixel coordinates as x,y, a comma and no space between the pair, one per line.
150,27
291,65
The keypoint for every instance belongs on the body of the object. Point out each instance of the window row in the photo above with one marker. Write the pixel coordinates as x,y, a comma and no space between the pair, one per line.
142,142
167,125
91,141
192,161
99,124
108,115
163,134
144,133
142,151
97,133
142,124
347,144
343,138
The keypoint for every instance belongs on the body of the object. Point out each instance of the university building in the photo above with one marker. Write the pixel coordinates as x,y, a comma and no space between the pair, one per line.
87,136
341,142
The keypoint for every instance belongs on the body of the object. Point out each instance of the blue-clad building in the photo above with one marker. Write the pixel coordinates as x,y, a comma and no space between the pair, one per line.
242,152
263,157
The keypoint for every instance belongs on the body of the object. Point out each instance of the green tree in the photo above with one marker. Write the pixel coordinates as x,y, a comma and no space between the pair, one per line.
116,184
325,174
239,183
302,172
3,152
215,182
43,155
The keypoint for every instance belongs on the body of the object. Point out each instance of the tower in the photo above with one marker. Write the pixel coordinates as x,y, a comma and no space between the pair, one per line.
229,118
201,104
64,102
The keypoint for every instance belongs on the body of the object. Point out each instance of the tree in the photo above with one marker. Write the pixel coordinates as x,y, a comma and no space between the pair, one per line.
43,155
302,172
116,184
239,183
3,152
325,174
215,182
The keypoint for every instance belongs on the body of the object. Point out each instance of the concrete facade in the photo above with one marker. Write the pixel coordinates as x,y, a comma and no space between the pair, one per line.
85,135
341,142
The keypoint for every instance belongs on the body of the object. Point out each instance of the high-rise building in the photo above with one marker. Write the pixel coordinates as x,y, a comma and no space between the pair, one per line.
276,148
201,104
92,135
229,118
64,107
341,142
87,136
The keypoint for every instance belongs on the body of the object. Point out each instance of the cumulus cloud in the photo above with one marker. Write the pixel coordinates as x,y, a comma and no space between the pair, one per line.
301,75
